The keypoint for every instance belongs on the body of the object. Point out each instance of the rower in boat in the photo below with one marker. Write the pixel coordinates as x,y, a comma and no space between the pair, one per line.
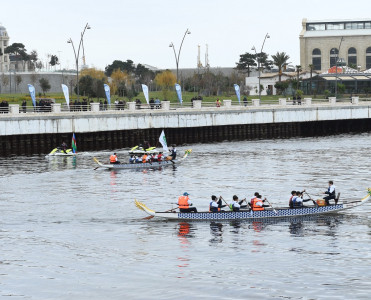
185,204
330,192
172,155
145,158
293,194
160,156
297,200
257,203
113,159
132,159
216,204
64,147
235,205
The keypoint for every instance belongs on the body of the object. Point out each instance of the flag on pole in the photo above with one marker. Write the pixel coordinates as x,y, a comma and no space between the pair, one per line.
163,142
145,92
31,89
237,89
66,94
178,89
108,93
74,147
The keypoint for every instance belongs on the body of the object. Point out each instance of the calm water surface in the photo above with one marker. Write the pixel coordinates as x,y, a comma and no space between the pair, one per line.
70,232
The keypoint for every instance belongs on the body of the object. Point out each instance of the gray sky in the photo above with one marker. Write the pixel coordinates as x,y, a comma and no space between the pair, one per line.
142,30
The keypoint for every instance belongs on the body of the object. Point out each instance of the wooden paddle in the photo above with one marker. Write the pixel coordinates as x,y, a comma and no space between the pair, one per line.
271,206
314,202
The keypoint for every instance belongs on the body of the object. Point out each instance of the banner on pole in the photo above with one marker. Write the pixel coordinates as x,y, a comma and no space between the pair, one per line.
108,93
178,89
163,141
31,89
237,89
66,94
145,92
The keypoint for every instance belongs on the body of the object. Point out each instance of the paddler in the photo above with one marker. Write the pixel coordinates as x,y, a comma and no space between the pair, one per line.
235,205
330,192
184,204
113,159
64,147
173,152
145,158
216,204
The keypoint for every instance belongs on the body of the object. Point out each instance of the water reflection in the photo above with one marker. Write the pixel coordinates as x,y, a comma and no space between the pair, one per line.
62,162
216,230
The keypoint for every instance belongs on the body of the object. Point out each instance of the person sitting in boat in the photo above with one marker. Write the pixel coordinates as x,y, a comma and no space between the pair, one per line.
145,158
173,153
258,203
155,157
113,159
185,204
215,204
293,194
235,205
146,145
330,192
256,194
63,147
160,156
138,159
298,200
132,159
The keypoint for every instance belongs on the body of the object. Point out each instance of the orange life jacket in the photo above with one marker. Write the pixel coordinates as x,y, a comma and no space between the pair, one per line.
113,158
183,202
144,158
254,203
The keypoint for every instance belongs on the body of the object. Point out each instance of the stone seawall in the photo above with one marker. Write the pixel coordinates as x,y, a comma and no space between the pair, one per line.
39,133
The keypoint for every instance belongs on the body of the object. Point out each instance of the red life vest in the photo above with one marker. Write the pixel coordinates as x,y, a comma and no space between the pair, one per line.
113,158
254,203
183,202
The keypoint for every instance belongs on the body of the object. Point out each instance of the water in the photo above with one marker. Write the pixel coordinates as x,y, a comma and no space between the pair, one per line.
70,232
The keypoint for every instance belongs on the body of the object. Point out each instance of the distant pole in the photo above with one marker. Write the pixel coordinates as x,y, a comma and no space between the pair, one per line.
77,55
178,56
259,59
336,66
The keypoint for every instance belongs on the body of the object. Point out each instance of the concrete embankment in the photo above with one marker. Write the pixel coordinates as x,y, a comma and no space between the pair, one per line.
40,132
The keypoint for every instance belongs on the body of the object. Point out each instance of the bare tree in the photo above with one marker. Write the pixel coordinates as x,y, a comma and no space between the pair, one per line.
18,80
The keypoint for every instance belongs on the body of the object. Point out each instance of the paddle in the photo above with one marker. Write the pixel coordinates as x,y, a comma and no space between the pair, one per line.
220,197
271,206
314,202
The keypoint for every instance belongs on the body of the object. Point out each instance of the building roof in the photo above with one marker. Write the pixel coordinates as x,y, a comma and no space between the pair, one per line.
337,20
341,32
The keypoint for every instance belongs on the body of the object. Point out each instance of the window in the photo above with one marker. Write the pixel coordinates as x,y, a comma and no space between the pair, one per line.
334,26
311,27
368,58
316,59
352,58
354,25
368,25
333,56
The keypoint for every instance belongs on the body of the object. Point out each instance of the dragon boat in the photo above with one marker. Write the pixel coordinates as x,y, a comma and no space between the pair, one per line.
282,212
149,165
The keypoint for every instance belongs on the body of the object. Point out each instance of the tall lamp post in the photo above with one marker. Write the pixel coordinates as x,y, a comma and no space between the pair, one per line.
336,66
77,55
177,56
259,59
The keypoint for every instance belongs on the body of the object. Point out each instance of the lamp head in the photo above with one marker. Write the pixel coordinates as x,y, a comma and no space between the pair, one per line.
171,45
268,36
69,41
253,48
188,32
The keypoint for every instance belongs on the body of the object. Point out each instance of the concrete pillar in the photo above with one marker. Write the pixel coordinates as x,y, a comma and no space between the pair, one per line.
332,100
227,103
56,107
255,102
308,101
94,106
355,100
14,108
197,104
165,105
282,101
131,106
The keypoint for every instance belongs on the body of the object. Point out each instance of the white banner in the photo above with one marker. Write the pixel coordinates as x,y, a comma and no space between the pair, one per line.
108,93
145,92
178,89
66,94
163,141
31,89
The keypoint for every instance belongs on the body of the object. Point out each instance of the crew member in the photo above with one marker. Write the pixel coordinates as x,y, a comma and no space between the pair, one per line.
293,194
173,153
235,205
113,159
64,147
330,192
214,205
138,159
160,156
145,158
184,204
132,159
256,194
257,203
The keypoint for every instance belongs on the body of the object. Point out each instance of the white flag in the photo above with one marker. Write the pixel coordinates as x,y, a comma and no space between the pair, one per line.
66,94
145,92
163,142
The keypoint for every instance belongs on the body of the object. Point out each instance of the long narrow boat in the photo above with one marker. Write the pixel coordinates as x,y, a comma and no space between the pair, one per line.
281,212
151,165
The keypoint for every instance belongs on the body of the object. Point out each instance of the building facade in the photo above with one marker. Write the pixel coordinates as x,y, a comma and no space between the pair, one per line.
323,44
4,42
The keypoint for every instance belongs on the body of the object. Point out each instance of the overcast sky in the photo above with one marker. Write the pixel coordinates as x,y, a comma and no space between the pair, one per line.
141,30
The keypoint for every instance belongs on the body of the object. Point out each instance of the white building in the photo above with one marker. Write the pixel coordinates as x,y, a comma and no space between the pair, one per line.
4,42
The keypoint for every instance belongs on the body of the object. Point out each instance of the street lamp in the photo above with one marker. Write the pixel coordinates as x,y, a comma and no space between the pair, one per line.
87,26
177,57
336,65
259,59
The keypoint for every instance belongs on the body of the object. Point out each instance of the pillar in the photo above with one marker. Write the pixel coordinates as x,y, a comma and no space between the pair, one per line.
227,103
131,106
355,100
94,106
197,104
165,105
56,108
282,101
255,102
332,100
308,101
14,108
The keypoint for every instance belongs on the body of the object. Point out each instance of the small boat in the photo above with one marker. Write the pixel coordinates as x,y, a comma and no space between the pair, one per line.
141,150
148,165
60,152
283,212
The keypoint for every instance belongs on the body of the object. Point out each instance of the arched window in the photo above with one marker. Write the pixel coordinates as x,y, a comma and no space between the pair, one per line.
316,59
368,58
333,56
352,58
